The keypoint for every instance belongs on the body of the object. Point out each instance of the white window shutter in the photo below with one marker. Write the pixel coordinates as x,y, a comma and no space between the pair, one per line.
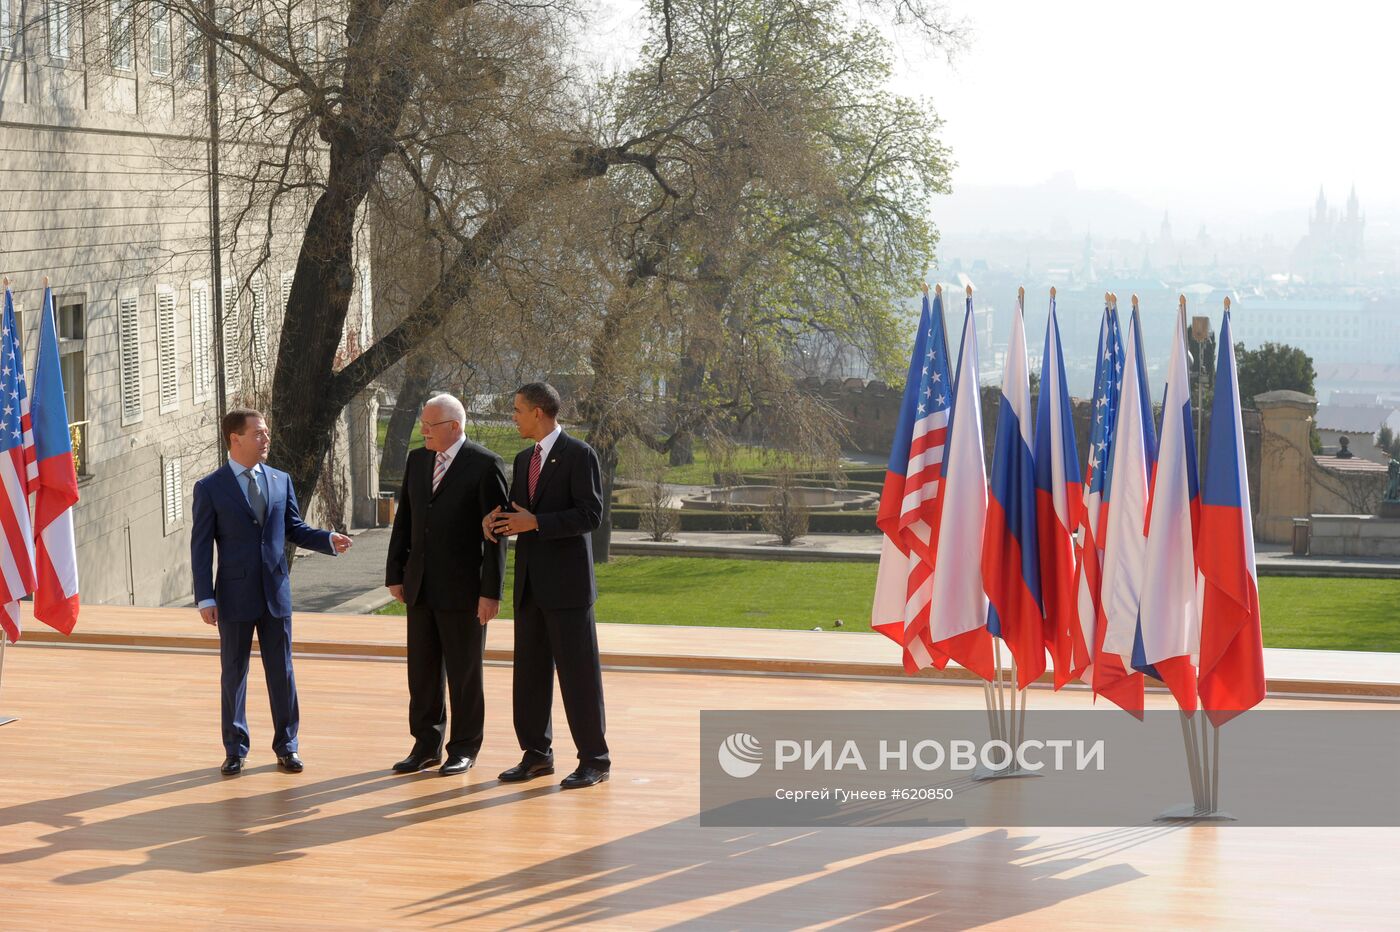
201,340
173,493
260,330
167,352
129,347
233,349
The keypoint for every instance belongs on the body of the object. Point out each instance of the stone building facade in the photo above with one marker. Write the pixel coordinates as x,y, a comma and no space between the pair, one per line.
107,194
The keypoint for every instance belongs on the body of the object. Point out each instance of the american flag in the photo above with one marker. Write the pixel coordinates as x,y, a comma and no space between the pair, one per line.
18,471
909,503
1108,384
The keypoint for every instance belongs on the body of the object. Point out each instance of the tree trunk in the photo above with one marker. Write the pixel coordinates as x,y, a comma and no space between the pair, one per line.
418,375
682,449
606,449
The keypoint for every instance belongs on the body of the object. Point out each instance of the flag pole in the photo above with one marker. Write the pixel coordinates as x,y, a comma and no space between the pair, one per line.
5,719
1215,771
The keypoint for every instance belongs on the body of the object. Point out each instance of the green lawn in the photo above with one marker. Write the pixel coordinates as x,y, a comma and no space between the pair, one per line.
1330,614
1326,614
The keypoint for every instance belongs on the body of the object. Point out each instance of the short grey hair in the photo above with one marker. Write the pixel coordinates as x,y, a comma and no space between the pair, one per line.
451,405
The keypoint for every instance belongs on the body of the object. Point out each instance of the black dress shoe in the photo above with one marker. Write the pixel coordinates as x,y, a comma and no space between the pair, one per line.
523,771
290,762
456,763
416,762
584,776
232,766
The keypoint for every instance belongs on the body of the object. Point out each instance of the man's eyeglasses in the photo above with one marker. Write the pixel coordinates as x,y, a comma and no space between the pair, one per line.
427,425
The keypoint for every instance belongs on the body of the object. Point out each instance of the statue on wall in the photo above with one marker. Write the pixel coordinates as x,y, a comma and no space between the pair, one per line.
1345,452
1392,488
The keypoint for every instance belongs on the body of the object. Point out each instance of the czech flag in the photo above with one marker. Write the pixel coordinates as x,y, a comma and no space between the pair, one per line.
56,553
1232,647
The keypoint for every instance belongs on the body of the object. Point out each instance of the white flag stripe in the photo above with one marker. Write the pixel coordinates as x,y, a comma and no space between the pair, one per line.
925,493
933,456
58,541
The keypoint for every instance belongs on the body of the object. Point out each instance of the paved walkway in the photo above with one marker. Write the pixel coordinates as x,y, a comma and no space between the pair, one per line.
353,582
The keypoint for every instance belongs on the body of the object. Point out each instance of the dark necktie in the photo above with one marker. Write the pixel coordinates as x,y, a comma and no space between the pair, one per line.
255,497
536,463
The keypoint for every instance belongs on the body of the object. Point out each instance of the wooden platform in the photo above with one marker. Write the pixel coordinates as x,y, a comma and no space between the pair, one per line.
112,815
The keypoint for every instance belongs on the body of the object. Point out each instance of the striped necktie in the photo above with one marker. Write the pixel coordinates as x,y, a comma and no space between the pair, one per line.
536,462
438,470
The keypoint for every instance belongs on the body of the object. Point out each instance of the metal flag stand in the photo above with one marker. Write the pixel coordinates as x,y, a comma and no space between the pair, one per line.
1203,766
4,719
1202,739
1006,721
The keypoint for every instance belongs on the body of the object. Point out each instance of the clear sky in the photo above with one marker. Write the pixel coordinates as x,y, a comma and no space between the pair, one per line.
1227,102
1206,105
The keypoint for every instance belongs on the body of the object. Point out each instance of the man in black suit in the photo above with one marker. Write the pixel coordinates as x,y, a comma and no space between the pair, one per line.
450,579
556,502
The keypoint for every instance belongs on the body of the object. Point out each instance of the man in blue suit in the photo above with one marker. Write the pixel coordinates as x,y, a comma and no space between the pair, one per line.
250,511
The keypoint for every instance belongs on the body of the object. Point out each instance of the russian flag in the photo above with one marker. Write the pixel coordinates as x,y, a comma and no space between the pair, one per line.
1058,499
1169,633
1132,459
1010,547
908,513
1232,645
958,610
56,553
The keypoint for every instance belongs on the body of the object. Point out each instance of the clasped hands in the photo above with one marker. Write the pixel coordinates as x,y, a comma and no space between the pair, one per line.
501,523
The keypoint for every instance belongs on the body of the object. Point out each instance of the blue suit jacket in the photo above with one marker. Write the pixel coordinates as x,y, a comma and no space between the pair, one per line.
252,577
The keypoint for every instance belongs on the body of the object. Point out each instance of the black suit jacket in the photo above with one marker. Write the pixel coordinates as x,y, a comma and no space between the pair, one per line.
557,560
437,551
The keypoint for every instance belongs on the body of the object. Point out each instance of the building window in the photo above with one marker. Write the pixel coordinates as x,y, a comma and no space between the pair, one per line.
129,348
160,39
194,54
233,351
167,351
9,36
201,340
60,29
121,34
72,345
172,493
